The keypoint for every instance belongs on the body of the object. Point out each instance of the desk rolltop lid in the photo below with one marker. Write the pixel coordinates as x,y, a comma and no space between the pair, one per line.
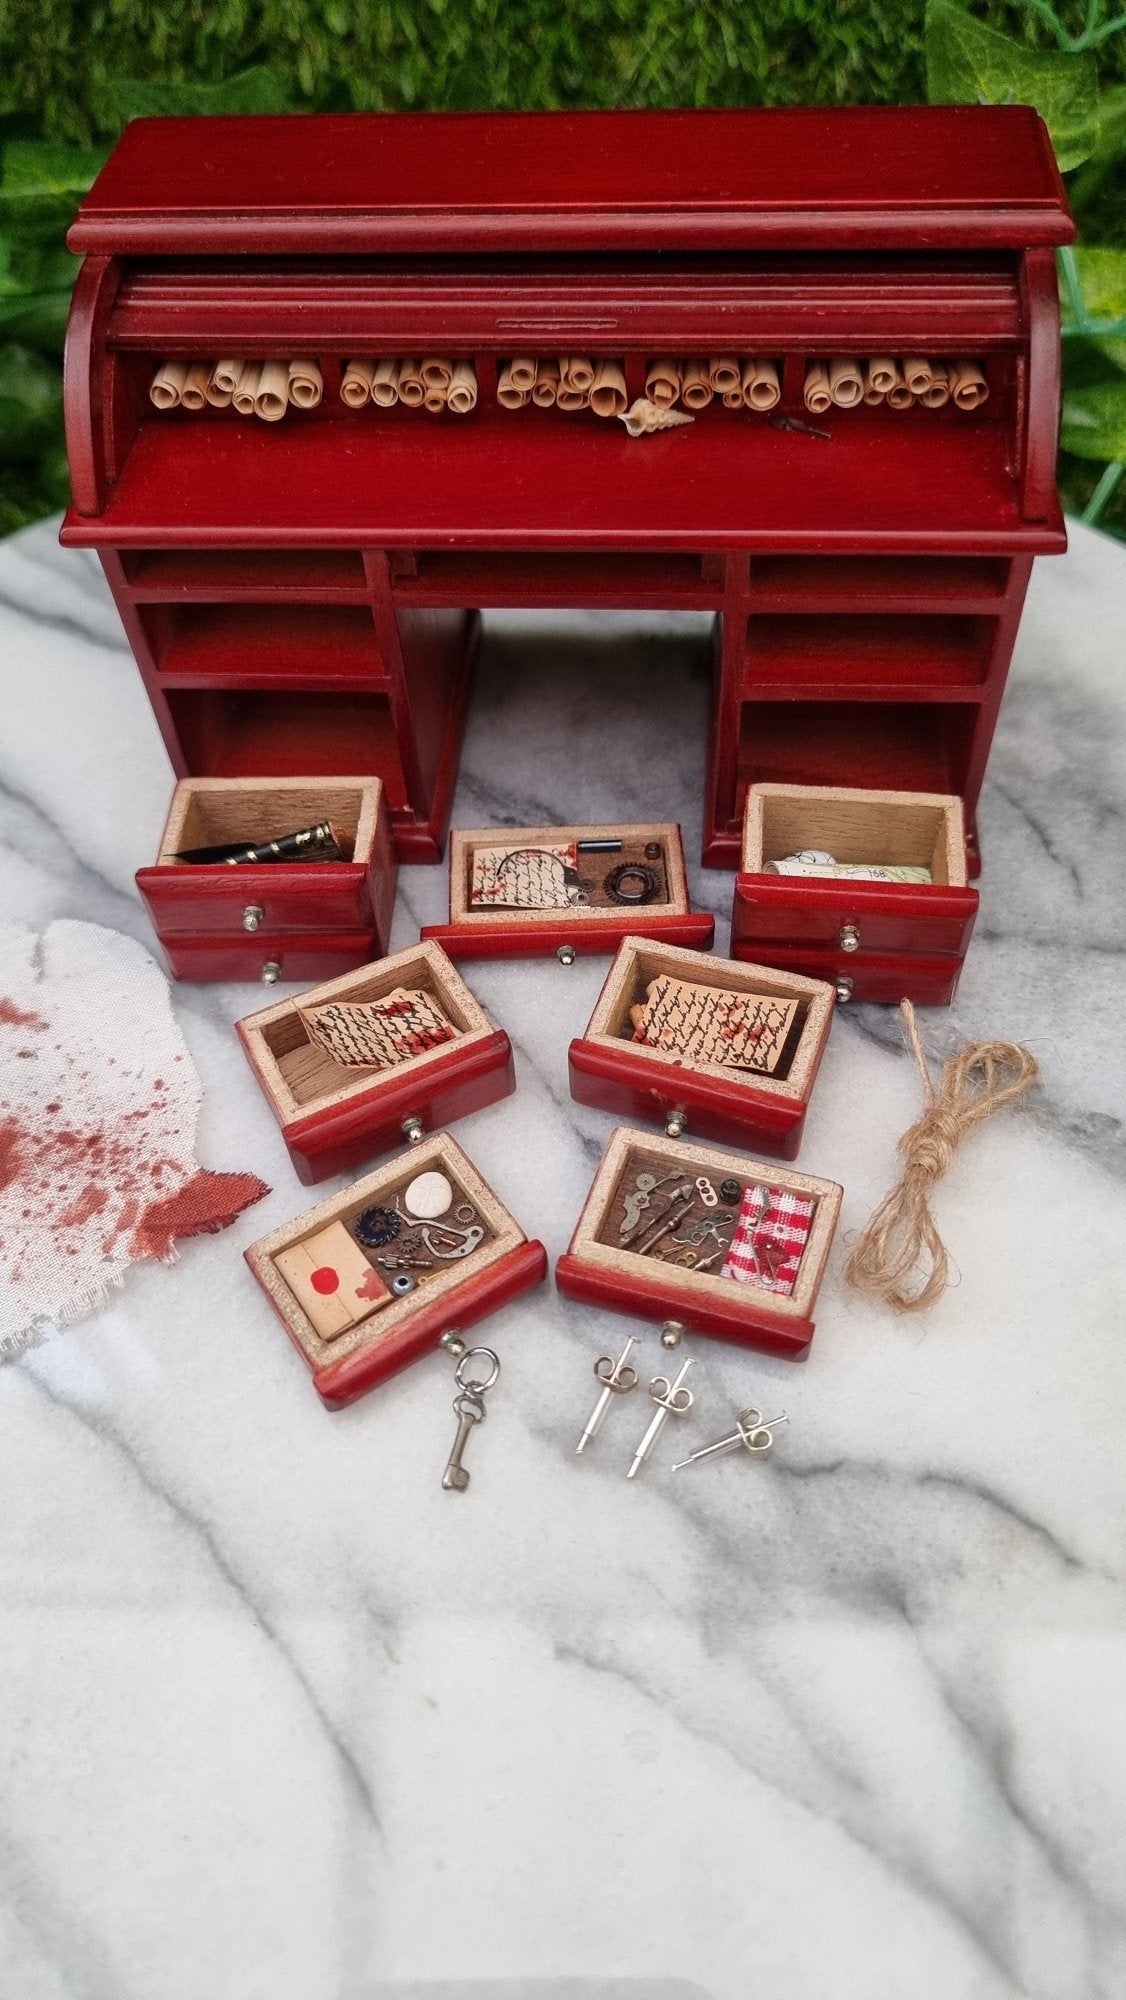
883,177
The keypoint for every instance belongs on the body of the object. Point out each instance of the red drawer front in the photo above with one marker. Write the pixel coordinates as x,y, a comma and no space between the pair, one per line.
321,896
889,916
694,929
302,958
634,1086
929,978
447,1087
741,1319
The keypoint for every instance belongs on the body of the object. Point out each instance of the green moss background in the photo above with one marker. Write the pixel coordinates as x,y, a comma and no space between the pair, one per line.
62,61
73,73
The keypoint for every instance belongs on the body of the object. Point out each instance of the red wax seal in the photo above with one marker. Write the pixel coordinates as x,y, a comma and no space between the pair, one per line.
325,1279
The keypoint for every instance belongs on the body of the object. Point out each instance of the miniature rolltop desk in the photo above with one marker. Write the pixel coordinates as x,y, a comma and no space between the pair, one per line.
302,596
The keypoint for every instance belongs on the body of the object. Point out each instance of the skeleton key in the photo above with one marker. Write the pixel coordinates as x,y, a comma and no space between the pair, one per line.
470,1411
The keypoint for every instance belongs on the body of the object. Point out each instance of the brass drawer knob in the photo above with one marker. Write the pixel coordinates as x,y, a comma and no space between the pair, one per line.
675,1124
848,937
271,972
844,989
412,1130
565,953
253,917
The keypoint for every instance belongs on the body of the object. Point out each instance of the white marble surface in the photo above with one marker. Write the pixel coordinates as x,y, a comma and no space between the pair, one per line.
281,1720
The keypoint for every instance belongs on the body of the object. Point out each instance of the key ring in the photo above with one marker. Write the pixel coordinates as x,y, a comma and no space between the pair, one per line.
469,1384
646,883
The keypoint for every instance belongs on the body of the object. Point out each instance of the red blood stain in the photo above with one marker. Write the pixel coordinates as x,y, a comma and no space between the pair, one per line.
90,1202
325,1279
372,1287
11,1139
206,1202
12,1016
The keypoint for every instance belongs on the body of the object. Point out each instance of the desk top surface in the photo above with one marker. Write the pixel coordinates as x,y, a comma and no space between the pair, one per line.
884,176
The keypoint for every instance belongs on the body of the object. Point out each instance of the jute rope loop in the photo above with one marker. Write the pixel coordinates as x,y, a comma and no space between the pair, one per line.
901,1258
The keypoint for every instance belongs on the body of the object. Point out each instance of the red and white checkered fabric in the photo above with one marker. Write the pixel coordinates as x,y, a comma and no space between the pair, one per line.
770,1238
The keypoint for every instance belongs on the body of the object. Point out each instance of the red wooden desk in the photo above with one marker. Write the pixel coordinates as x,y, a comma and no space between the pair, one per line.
302,597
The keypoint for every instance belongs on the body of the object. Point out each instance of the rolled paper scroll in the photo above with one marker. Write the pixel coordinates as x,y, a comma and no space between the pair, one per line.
193,395
662,382
968,385
355,383
873,391
760,385
221,383
724,374
435,373
818,398
545,388
434,400
167,384
384,386
643,417
732,399
899,395
522,370
608,390
409,383
567,398
246,388
696,390
846,383
306,383
577,372
509,395
882,373
462,394
846,871
917,373
272,397
937,391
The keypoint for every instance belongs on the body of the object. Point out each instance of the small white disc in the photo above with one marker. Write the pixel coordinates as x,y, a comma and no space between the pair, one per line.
428,1197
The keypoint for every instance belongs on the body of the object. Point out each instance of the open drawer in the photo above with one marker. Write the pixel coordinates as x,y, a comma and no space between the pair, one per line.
724,1050
627,1252
880,937
530,891
221,920
334,1114
353,1335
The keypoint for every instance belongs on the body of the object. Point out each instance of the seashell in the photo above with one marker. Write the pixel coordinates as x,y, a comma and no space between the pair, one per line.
643,417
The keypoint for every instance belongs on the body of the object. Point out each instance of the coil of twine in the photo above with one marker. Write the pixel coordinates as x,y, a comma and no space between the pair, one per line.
900,1257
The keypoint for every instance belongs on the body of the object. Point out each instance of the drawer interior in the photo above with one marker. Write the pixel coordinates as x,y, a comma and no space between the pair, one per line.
383,1188
598,1237
205,813
299,1074
638,964
893,829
